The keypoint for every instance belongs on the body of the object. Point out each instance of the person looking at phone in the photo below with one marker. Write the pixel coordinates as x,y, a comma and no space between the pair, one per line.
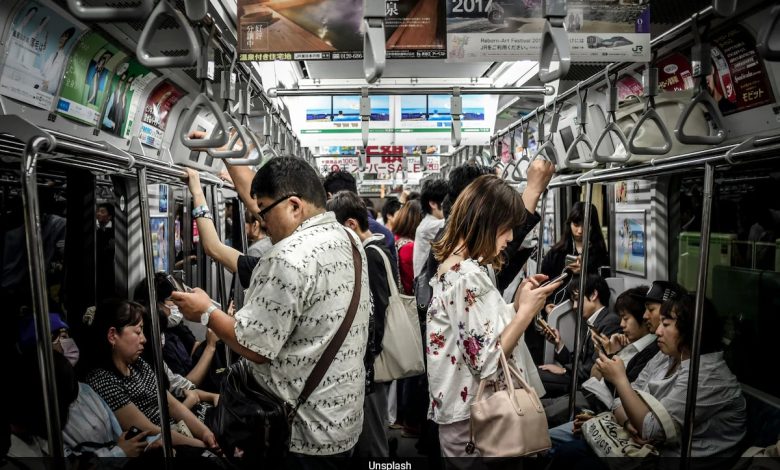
468,321
555,262
557,378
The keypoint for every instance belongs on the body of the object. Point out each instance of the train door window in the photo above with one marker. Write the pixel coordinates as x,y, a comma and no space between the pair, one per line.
743,269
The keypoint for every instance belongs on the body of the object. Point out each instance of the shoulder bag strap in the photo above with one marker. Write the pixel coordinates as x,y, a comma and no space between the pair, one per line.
338,339
390,283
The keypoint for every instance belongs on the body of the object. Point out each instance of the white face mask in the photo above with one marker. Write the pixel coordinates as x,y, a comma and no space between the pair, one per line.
70,350
175,317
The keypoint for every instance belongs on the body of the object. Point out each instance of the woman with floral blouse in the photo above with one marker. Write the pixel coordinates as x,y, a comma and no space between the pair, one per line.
468,320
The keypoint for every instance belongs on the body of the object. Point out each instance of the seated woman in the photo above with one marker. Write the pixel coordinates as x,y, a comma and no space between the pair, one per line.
126,382
720,407
468,322
90,425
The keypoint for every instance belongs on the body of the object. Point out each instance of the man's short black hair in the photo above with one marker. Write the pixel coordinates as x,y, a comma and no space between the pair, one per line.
340,181
283,176
108,207
460,177
433,191
593,283
348,205
391,207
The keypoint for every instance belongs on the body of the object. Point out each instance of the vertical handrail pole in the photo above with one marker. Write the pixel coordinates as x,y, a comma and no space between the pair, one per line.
35,262
701,291
540,241
146,233
580,303
221,293
187,237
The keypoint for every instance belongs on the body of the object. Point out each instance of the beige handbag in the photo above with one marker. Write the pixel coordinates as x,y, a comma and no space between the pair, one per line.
508,423
402,353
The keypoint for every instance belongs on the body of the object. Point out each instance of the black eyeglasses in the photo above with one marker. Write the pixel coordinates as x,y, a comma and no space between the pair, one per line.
265,211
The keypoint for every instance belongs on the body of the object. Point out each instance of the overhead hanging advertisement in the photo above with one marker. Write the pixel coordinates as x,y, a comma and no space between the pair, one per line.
739,80
328,164
323,121
429,119
156,111
124,96
332,29
36,53
88,77
510,30
397,120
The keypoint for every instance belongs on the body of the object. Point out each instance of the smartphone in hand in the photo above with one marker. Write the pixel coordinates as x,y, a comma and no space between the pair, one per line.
132,432
562,277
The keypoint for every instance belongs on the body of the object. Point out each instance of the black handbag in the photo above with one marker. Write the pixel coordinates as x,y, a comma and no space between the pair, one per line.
252,423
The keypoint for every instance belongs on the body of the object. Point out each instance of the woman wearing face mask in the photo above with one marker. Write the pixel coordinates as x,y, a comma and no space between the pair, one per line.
90,426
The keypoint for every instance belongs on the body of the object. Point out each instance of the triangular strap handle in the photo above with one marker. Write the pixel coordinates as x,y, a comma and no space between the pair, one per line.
110,14
220,131
614,129
554,39
152,25
651,115
547,152
768,40
254,155
580,163
705,98
239,135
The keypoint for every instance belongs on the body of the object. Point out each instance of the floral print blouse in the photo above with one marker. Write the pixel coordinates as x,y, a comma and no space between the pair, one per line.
464,323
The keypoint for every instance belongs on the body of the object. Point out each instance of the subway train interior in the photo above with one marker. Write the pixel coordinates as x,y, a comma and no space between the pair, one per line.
648,132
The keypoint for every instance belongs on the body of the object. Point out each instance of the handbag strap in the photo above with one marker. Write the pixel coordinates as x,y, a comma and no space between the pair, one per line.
663,416
333,347
393,287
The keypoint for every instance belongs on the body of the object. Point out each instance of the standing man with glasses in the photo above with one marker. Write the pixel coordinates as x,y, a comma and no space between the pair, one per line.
296,301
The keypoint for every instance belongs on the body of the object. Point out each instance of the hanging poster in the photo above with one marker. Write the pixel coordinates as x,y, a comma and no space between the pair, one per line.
156,111
35,55
510,30
127,86
88,77
326,121
332,29
739,80
631,242
328,164
429,119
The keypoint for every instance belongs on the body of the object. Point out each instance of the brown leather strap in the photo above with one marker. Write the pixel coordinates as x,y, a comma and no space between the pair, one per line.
338,339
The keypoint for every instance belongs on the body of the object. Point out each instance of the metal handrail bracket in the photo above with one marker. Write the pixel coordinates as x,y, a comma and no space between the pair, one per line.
196,9
554,38
110,14
456,110
650,79
146,58
374,52
768,40
724,8
219,135
611,128
700,58
365,115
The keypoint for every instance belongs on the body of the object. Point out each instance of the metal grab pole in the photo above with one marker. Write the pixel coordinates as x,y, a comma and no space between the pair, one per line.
701,288
146,233
221,293
187,235
539,242
580,304
35,262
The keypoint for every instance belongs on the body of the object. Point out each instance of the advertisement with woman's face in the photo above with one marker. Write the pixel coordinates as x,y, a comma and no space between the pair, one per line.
36,53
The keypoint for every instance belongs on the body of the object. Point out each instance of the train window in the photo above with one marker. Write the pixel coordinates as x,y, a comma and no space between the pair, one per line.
744,263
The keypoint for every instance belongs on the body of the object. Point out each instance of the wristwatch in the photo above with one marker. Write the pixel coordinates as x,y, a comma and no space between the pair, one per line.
204,317
201,211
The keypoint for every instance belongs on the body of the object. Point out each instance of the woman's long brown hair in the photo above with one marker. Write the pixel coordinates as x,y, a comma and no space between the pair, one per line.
487,207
